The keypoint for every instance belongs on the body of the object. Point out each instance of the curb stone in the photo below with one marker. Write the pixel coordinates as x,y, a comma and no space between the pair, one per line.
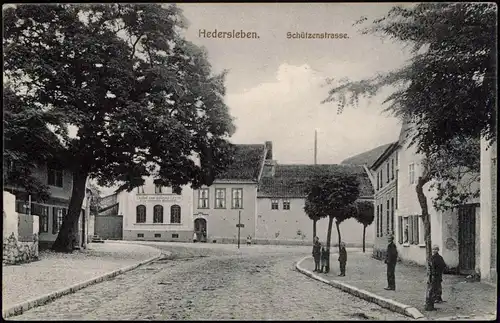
20,308
366,295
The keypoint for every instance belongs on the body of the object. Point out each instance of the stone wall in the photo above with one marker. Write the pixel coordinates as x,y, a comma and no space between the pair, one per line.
15,251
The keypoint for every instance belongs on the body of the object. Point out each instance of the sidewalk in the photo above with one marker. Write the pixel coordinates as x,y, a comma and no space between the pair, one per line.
463,299
56,271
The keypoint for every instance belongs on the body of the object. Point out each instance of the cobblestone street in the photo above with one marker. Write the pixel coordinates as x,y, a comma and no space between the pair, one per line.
213,283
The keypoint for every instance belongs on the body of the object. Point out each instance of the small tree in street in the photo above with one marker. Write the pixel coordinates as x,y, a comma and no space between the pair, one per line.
364,215
446,93
143,100
332,196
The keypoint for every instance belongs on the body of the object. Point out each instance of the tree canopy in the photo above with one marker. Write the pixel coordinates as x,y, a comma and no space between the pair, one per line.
446,91
331,195
449,85
143,100
364,212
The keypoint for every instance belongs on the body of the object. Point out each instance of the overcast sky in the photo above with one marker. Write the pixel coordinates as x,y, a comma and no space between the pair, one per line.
274,83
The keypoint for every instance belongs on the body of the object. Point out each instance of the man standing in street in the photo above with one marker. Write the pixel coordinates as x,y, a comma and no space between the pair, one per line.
438,266
316,254
391,258
342,259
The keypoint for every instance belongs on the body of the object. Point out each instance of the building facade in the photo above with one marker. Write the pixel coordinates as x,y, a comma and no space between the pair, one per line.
52,211
456,231
488,215
155,212
281,218
385,173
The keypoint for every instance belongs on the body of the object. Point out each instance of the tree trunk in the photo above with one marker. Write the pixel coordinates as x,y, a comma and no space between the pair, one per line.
329,236
69,228
422,200
337,224
314,228
364,235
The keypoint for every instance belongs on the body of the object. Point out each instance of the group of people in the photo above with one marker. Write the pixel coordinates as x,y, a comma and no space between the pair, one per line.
437,265
321,256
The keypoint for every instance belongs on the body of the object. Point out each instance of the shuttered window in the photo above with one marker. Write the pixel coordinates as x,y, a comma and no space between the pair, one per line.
400,229
381,219
392,215
415,229
388,211
410,229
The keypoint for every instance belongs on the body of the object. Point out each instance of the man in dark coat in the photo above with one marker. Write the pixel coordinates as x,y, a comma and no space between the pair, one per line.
438,266
316,253
342,259
391,258
325,260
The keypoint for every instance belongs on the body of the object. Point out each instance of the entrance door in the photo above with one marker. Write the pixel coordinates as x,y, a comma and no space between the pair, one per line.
467,239
200,229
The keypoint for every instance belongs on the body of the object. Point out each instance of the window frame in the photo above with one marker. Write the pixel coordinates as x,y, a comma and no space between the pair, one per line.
201,198
233,198
158,215
392,168
220,199
275,204
174,216
57,218
140,189
378,221
388,215
286,204
388,172
406,230
411,173
158,189
138,216
55,174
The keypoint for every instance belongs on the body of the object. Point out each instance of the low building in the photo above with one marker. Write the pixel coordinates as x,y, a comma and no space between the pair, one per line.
384,171
456,231
52,211
281,218
154,212
232,199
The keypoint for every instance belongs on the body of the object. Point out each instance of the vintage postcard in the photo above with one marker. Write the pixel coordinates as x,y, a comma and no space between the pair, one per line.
250,161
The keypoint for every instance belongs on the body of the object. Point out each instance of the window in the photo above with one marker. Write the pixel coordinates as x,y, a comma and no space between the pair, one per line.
175,214
158,214
175,235
57,218
140,214
421,238
416,229
400,229
203,198
140,235
286,205
157,235
158,189
378,220
392,168
220,198
43,216
274,205
381,219
140,189
392,215
406,229
388,172
378,180
237,198
411,173
381,177
388,211
55,176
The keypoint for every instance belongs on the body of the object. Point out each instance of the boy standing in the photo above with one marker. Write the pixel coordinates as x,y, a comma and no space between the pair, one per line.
316,253
342,259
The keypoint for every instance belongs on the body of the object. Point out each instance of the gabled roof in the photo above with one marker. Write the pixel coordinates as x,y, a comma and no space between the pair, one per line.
247,162
393,146
290,180
366,158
